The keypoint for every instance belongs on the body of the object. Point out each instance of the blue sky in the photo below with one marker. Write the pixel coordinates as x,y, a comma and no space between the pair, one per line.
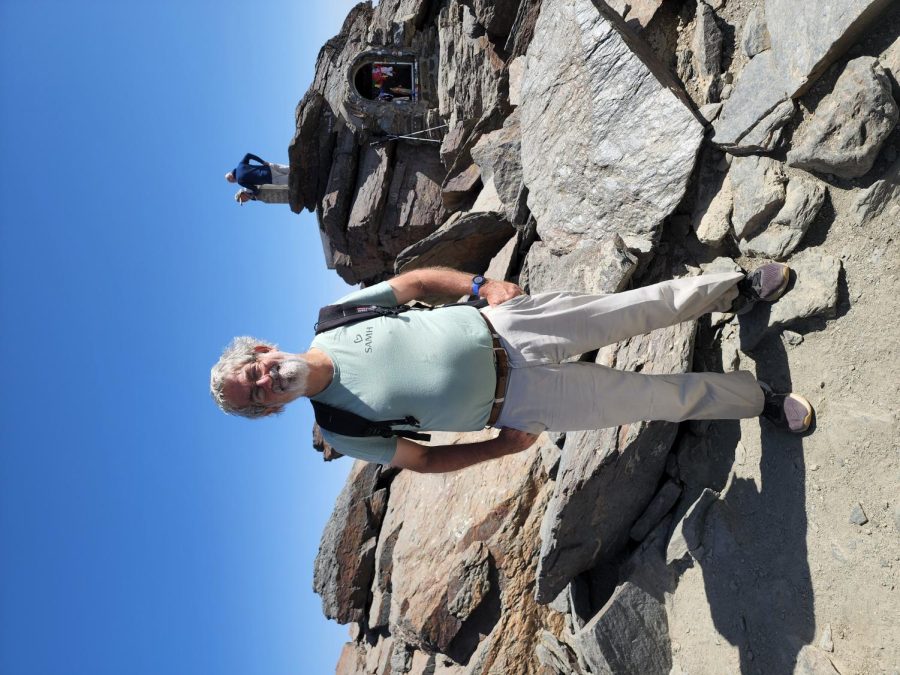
142,530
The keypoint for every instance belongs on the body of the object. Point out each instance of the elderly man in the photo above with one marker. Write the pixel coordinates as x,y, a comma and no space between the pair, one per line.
457,368
251,172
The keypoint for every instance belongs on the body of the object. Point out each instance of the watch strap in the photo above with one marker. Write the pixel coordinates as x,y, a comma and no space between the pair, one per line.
477,283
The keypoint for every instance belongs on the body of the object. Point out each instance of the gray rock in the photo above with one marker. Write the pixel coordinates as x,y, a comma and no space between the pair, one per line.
488,200
609,148
849,126
503,264
814,294
380,609
805,41
422,664
707,42
766,134
378,658
470,68
637,13
334,206
497,16
516,70
579,602
590,495
522,31
759,192
460,188
464,242
783,234
890,61
560,603
710,111
697,460
603,267
413,205
372,181
791,338
469,581
454,142
858,516
556,657
672,468
310,152
401,659
880,200
712,222
812,661
663,501
444,564
352,660
629,635
826,643
755,38
344,566
498,154
687,535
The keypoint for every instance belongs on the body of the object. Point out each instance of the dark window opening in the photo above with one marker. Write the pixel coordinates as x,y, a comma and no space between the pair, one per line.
385,81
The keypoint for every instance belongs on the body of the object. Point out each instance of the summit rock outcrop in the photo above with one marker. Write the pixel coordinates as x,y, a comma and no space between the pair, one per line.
595,146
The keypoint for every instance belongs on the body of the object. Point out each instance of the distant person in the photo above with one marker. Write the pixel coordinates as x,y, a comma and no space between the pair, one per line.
374,382
250,176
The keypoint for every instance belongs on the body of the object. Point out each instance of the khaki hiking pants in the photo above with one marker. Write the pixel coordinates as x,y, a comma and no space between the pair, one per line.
539,331
280,173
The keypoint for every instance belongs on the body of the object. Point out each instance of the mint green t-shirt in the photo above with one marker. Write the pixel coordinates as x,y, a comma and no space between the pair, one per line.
437,366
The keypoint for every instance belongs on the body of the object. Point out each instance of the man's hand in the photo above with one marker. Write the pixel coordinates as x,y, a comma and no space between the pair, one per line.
515,440
497,292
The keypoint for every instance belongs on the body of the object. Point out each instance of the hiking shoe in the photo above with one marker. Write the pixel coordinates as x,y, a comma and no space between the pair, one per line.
788,411
766,283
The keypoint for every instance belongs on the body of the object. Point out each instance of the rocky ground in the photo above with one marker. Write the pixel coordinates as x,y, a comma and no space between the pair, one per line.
595,146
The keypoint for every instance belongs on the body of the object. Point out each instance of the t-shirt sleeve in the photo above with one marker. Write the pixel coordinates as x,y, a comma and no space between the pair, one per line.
373,449
380,294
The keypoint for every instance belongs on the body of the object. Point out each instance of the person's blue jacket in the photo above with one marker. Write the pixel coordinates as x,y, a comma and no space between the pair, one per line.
249,175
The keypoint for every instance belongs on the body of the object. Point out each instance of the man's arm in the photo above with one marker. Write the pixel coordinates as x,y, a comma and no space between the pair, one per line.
443,458
445,281
250,156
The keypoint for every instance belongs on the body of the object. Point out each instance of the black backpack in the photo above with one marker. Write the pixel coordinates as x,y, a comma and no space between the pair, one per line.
344,422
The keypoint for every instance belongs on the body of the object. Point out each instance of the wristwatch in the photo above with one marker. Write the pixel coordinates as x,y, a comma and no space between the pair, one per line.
477,283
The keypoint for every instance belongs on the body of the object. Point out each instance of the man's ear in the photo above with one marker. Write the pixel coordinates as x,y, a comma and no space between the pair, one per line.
262,349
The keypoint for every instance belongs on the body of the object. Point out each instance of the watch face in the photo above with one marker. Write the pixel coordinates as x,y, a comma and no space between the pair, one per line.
478,280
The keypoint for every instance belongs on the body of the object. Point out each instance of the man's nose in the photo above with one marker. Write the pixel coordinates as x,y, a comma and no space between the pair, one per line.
264,381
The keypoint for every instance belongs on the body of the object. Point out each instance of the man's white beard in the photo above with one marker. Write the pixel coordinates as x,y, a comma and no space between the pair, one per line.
290,375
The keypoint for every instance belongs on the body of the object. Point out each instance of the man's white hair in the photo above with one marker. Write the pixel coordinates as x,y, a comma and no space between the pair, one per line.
239,352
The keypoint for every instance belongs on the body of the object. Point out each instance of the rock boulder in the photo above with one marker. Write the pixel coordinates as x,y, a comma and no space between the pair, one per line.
608,145
849,126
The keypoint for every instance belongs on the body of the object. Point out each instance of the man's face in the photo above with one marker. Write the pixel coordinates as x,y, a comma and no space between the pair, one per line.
273,379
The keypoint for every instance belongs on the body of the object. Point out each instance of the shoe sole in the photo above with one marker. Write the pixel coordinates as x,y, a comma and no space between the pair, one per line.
807,418
785,281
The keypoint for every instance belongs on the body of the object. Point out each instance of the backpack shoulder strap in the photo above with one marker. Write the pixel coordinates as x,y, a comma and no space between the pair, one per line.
334,316
346,423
